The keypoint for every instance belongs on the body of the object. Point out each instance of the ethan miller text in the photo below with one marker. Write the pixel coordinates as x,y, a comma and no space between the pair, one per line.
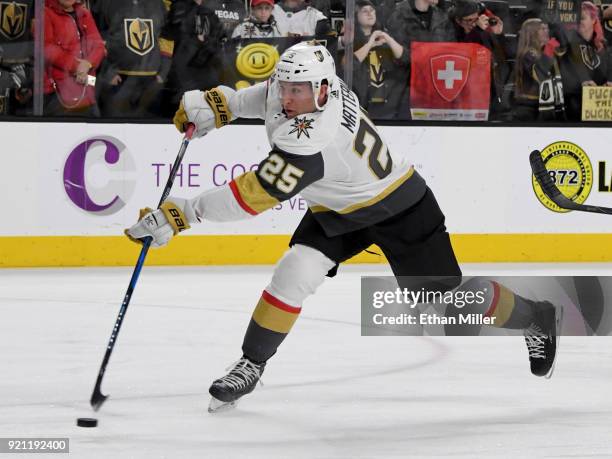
433,319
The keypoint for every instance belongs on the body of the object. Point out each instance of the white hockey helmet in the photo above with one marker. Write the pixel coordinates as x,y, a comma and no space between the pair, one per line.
307,62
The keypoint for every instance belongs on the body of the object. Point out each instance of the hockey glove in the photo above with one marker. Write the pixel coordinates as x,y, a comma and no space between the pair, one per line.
160,224
206,109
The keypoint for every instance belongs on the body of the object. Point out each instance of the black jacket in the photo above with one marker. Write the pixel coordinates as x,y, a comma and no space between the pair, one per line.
406,27
379,81
580,62
198,34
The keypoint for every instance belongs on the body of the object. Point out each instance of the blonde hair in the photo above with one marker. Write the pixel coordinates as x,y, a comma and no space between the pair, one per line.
528,43
528,38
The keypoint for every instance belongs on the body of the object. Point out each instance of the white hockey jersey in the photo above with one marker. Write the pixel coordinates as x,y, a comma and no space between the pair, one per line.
335,159
303,22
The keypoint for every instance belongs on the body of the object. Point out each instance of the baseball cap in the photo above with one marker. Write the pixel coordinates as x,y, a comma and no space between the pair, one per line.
259,2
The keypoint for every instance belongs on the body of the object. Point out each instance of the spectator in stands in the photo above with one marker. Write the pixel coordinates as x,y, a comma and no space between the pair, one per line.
73,52
471,24
261,22
584,61
419,20
324,6
15,86
299,19
379,78
538,86
474,23
230,13
198,59
139,57
16,58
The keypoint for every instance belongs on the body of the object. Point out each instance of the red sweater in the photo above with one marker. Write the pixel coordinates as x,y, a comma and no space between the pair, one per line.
65,42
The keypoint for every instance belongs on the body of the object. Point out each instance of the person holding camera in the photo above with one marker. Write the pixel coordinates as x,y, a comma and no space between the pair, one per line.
474,23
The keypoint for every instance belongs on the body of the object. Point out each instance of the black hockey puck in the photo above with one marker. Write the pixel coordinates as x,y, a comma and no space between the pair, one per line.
87,422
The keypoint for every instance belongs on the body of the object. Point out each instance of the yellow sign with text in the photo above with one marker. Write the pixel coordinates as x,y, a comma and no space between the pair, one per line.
597,103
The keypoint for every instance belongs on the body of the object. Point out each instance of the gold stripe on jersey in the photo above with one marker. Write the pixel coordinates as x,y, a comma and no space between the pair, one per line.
166,47
379,197
218,103
274,315
253,194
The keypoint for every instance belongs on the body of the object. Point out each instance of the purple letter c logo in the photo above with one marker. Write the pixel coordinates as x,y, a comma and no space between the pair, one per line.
80,161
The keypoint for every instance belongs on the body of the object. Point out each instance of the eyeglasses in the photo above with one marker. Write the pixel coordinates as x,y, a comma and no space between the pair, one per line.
469,20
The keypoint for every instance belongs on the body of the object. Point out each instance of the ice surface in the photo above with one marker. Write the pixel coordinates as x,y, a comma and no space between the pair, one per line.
329,393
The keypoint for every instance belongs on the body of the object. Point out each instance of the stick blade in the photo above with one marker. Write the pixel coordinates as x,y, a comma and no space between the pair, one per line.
548,185
97,398
550,189
539,170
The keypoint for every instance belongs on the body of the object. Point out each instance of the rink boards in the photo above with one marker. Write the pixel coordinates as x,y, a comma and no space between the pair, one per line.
70,190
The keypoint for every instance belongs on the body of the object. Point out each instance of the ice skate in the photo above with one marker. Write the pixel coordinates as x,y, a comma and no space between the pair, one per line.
542,338
241,380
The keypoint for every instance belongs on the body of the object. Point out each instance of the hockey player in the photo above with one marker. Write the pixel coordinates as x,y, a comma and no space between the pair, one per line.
359,193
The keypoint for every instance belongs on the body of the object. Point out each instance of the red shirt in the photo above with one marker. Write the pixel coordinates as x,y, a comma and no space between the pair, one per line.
65,42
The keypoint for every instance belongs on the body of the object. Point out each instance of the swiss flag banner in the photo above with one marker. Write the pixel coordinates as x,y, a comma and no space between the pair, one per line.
450,81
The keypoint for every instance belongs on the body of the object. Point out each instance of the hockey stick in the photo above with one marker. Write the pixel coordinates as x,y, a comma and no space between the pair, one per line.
97,398
550,189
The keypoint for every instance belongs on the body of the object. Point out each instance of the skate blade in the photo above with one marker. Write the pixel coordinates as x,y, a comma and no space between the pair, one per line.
217,406
559,318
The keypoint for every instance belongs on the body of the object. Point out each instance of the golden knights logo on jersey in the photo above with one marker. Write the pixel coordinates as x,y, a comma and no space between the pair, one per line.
301,126
377,76
13,19
139,35
590,58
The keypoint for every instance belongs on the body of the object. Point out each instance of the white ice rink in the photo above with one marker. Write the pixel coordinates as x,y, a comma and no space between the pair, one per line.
329,393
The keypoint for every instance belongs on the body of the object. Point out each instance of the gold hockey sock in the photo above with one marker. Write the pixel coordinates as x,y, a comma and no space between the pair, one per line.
271,322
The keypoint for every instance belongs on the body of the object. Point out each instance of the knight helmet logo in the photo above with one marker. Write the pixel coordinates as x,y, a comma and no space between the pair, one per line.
139,35
590,58
319,56
449,73
13,19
